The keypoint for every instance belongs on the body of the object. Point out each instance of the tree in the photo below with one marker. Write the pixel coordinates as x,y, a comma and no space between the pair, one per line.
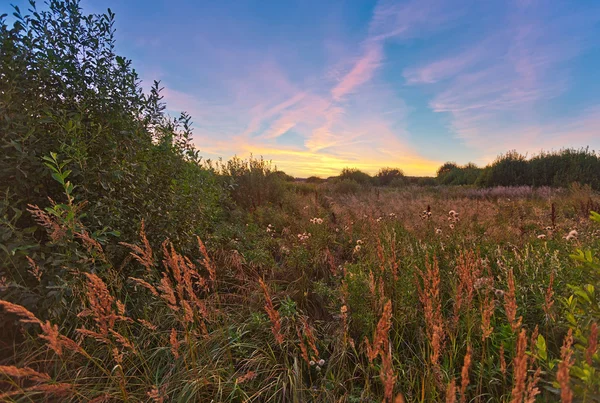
387,176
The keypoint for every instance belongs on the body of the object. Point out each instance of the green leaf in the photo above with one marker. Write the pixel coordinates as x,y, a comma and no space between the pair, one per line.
541,347
58,177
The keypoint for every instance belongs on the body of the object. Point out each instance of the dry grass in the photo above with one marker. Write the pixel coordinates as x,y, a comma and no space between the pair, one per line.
369,268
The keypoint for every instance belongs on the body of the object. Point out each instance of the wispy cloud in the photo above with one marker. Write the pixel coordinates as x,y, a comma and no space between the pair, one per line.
494,89
348,103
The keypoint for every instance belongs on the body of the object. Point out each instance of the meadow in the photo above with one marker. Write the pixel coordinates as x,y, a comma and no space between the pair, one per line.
131,269
416,294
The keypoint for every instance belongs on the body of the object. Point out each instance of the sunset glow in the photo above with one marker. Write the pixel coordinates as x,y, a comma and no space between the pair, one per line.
318,86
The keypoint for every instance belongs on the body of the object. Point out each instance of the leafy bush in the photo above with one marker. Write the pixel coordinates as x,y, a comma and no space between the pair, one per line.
346,186
390,177
355,175
252,182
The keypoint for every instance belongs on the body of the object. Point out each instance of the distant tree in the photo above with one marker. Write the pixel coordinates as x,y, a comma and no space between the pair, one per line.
356,175
314,179
510,169
446,168
452,174
285,177
560,168
387,176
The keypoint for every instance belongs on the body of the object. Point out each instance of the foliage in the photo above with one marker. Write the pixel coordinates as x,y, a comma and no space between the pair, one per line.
559,168
314,179
355,175
390,176
452,174
252,182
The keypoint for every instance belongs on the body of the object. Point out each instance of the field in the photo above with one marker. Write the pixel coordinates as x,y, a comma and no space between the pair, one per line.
331,297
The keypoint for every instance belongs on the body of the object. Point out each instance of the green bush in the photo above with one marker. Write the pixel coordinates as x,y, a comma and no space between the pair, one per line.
356,175
390,177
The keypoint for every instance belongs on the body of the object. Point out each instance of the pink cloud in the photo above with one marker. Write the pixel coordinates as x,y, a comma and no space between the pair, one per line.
361,72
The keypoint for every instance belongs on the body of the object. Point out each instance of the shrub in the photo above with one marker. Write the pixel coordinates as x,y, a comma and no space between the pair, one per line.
356,175
387,176
346,186
252,182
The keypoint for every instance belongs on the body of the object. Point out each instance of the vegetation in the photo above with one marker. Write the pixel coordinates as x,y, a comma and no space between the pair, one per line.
133,270
560,168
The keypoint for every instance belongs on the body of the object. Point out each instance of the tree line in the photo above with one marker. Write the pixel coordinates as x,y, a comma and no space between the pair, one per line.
556,169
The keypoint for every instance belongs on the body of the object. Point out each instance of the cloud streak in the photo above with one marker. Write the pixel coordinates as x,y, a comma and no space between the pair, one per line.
488,75
495,91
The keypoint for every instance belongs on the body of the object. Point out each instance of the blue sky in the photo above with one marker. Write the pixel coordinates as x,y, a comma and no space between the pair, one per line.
316,86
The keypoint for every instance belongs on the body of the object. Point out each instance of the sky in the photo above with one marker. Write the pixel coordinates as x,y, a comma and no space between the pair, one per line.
316,86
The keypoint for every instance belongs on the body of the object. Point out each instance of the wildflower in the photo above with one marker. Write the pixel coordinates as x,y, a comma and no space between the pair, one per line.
499,293
147,324
451,226
310,338
303,349
510,303
572,235
174,343
357,249
502,361
541,236
487,311
311,363
562,376
438,231
26,315
548,300
452,213
248,376
272,313
35,269
532,389
451,391
483,282
24,372
425,214
155,395
207,262
304,237
520,368
359,242
429,295
386,374
381,333
379,219
465,376
142,255
321,362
